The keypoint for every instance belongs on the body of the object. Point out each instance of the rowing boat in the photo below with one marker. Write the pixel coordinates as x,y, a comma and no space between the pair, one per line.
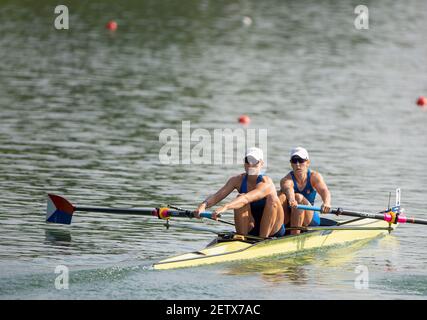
229,247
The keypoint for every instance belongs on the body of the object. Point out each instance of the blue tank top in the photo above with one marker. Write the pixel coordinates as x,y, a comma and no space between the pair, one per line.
257,207
309,193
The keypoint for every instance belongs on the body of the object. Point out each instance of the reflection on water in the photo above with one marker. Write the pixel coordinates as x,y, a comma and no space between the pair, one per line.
58,237
295,268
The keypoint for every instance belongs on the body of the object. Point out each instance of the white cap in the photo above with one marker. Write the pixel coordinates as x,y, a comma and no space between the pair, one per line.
300,152
254,155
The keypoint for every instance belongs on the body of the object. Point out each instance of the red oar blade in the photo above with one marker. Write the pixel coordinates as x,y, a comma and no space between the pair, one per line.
59,210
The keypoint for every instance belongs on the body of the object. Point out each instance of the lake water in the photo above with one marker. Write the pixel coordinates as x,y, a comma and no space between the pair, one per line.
81,111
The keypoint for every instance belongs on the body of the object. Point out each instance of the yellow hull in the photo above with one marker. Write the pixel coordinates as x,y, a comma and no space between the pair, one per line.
240,250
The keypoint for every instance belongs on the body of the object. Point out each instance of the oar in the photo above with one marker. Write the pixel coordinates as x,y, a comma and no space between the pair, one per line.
60,210
394,217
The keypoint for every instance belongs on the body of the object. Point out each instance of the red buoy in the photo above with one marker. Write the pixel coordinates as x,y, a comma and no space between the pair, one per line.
422,101
112,25
244,119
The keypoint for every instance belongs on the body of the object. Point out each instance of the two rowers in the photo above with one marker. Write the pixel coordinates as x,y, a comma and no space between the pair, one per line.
259,210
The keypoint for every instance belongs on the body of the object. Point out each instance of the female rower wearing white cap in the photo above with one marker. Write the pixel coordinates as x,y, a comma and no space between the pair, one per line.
257,208
300,186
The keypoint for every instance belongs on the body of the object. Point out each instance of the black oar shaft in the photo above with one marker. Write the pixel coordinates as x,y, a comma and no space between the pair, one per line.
386,216
358,214
134,211
139,211
416,221
401,218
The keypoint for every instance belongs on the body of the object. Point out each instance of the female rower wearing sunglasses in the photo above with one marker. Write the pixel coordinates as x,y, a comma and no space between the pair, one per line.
300,186
257,208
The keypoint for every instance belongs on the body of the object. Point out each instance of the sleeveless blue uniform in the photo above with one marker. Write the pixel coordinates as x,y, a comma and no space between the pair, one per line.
310,194
257,208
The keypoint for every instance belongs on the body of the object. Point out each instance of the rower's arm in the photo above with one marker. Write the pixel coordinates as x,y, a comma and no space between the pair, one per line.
222,193
287,187
319,184
261,190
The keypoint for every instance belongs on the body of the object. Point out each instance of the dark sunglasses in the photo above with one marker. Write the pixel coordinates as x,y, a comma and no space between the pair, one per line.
247,162
295,160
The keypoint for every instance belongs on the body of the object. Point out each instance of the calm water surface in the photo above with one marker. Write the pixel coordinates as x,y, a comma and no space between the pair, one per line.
81,111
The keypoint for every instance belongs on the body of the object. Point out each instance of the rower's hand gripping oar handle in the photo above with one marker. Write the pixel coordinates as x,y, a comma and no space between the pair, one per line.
204,214
166,213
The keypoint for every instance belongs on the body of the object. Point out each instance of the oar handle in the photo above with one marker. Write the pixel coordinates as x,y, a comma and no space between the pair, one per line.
208,215
312,208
